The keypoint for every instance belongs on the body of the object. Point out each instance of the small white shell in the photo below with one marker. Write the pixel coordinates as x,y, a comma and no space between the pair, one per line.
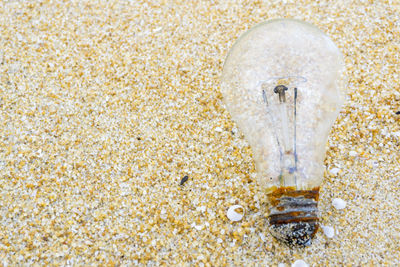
334,171
328,231
235,213
339,203
299,263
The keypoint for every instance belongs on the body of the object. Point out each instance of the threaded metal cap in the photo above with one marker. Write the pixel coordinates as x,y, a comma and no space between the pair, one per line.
293,217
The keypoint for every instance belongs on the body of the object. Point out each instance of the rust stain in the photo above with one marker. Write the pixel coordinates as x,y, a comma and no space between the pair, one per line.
292,192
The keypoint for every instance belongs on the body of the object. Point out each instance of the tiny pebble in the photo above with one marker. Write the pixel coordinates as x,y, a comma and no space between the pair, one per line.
352,153
201,209
334,171
262,236
339,203
299,263
197,227
328,231
218,129
235,213
397,134
206,140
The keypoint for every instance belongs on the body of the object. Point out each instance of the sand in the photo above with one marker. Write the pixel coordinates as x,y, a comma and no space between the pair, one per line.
105,106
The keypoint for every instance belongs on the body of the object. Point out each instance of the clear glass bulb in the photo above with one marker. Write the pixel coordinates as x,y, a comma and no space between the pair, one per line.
283,83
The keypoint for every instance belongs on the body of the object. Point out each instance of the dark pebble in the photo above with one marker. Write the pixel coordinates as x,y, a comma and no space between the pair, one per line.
184,179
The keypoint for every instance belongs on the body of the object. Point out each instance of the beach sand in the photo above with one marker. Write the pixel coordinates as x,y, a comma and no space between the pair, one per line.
105,106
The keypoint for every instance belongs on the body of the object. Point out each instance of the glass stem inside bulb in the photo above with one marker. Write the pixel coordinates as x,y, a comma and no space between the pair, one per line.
288,161
285,128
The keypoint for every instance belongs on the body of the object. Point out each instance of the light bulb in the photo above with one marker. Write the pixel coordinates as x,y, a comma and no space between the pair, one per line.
283,83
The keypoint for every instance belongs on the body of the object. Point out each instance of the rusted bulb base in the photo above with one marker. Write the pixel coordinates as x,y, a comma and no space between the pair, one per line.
298,234
294,215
